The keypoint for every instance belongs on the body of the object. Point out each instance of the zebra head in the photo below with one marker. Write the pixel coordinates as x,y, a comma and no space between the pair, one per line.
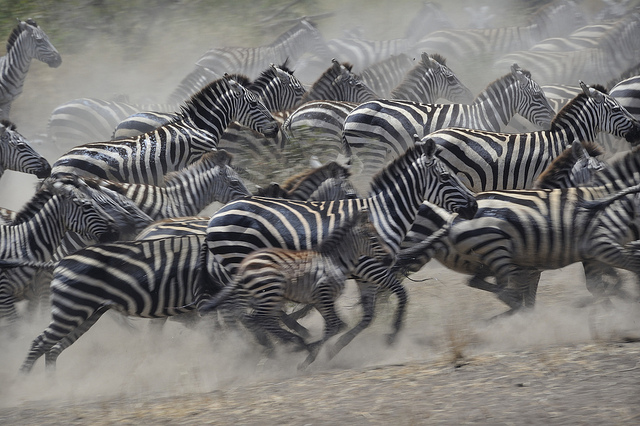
530,100
441,81
247,109
349,87
609,116
83,215
16,153
286,89
444,188
38,43
575,166
224,183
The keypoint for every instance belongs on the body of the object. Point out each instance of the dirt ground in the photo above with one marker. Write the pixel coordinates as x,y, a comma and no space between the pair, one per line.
562,363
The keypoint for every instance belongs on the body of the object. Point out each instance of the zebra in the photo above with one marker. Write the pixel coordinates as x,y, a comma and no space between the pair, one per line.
384,75
480,159
245,225
376,130
149,279
554,19
269,276
364,53
575,166
148,157
559,223
276,87
323,121
291,45
16,153
26,41
65,209
627,92
188,191
613,53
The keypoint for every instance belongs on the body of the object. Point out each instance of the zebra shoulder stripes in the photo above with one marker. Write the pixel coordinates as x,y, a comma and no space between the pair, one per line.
268,277
148,279
26,41
148,157
16,153
381,128
243,226
495,161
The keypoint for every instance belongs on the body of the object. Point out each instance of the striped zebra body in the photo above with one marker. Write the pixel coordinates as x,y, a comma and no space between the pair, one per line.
583,38
487,161
317,126
276,87
250,61
555,19
62,209
244,226
148,279
365,53
188,191
26,41
268,277
611,54
148,157
627,92
386,74
549,238
381,129
16,153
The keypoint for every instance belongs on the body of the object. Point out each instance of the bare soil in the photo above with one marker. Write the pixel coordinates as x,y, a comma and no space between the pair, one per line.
562,363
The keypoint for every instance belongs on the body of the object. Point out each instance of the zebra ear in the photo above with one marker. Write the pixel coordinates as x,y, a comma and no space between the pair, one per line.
282,75
517,73
591,92
428,145
223,158
233,85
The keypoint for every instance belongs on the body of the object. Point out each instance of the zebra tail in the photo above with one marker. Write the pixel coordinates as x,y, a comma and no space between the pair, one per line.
18,263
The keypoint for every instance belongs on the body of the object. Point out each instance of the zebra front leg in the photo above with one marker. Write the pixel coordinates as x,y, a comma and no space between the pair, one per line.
398,289
290,321
368,301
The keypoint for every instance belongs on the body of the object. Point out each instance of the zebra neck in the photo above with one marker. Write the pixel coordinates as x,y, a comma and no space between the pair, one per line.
35,239
493,107
14,68
392,222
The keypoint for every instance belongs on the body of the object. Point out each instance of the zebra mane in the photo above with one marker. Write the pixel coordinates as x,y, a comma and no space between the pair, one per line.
241,79
216,158
566,160
335,238
17,30
390,171
438,58
36,203
575,103
218,87
625,169
8,124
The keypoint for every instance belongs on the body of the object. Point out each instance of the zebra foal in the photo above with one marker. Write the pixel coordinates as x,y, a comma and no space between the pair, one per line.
268,277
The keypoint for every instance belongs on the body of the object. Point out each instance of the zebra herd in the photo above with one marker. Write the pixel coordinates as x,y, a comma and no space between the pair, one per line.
250,188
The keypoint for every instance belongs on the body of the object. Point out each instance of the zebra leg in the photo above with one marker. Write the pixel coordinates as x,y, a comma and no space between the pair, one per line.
290,321
8,308
602,280
332,326
270,323
368,302
52,354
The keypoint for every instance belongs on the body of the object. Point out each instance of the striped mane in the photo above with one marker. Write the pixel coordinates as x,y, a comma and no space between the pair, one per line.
215,89
387,176
625,169
207,162
566,160
35,204
17,30
575,104
438,58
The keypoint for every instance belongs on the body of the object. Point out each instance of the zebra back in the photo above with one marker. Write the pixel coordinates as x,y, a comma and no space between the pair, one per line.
16,153
384,75
430,80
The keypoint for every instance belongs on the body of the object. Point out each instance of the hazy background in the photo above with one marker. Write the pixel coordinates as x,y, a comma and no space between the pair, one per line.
142,49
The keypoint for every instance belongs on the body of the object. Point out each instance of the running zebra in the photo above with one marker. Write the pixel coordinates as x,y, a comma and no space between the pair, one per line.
63,208
276,87
268,277
322,121
26,41
555,208
627,92
487,161
244,226
148,157
384,75
188,191
303,38
16,153
148,279
382,129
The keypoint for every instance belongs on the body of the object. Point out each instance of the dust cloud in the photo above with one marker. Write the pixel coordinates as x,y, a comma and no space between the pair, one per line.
446,319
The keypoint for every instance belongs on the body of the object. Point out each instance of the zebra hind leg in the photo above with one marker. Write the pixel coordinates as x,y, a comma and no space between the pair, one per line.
333,325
